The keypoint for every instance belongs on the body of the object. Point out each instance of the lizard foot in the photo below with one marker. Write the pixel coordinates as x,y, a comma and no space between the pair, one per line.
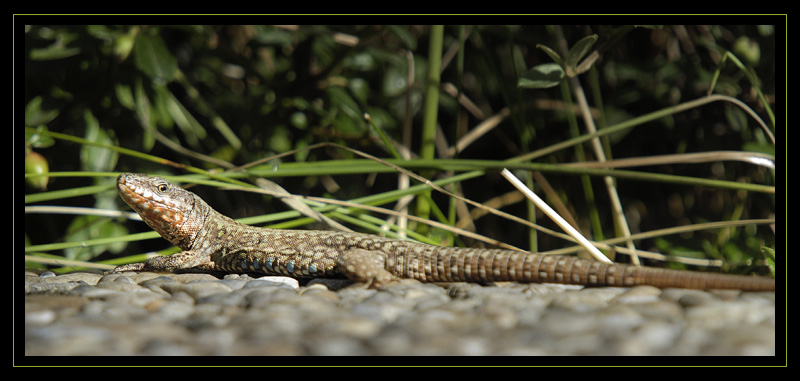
366,267
129,267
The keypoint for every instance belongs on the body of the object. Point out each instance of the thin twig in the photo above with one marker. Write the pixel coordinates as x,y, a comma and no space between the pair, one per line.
555,217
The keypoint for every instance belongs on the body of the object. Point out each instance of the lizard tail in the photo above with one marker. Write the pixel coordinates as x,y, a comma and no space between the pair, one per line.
453,265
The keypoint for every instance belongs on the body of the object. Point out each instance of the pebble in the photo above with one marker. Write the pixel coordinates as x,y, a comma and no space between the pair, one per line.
86,314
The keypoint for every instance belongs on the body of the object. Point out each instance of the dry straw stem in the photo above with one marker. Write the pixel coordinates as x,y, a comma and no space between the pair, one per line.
555,217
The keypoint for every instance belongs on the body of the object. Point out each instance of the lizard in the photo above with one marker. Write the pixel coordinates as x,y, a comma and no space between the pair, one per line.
211,241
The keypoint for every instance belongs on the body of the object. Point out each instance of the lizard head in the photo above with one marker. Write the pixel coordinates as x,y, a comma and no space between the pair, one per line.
165,207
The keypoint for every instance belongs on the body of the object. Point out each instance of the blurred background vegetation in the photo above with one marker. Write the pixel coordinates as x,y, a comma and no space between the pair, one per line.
208,95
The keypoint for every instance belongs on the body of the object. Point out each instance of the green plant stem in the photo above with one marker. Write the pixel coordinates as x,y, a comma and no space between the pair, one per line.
427,148
633,122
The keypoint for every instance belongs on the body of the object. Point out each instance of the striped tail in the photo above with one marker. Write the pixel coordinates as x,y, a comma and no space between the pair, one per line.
447,264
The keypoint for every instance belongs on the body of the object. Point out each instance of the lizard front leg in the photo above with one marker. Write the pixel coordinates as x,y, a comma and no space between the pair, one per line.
365,266
169,263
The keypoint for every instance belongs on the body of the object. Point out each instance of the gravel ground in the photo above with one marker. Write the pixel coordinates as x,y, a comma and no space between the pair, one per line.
86,313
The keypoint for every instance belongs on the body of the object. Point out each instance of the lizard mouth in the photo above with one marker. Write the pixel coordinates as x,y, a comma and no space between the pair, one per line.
138,196
152,204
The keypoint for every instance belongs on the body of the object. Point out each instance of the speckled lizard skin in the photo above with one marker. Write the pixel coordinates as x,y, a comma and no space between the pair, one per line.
211,241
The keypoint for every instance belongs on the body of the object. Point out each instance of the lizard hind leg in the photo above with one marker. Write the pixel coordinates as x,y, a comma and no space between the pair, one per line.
364,266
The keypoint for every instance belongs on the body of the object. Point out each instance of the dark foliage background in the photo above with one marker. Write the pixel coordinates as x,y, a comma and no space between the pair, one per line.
242,93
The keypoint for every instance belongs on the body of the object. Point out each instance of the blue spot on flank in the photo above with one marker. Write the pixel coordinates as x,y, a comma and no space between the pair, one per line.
289,266
312,269
268,265
255,265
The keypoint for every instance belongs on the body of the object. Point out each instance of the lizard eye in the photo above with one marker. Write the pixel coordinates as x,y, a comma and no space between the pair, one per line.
162,188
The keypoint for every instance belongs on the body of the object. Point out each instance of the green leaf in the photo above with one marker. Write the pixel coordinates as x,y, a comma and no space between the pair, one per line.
39,137
360,89
273,36
97,159
125,96
587,63
58,49
577,52
769,254
35,116
580,49
184,119
154,59
299,120
280,141
748,49
124,43
84,228
552,53
143,114
341,98
542,76
405,35
53,52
